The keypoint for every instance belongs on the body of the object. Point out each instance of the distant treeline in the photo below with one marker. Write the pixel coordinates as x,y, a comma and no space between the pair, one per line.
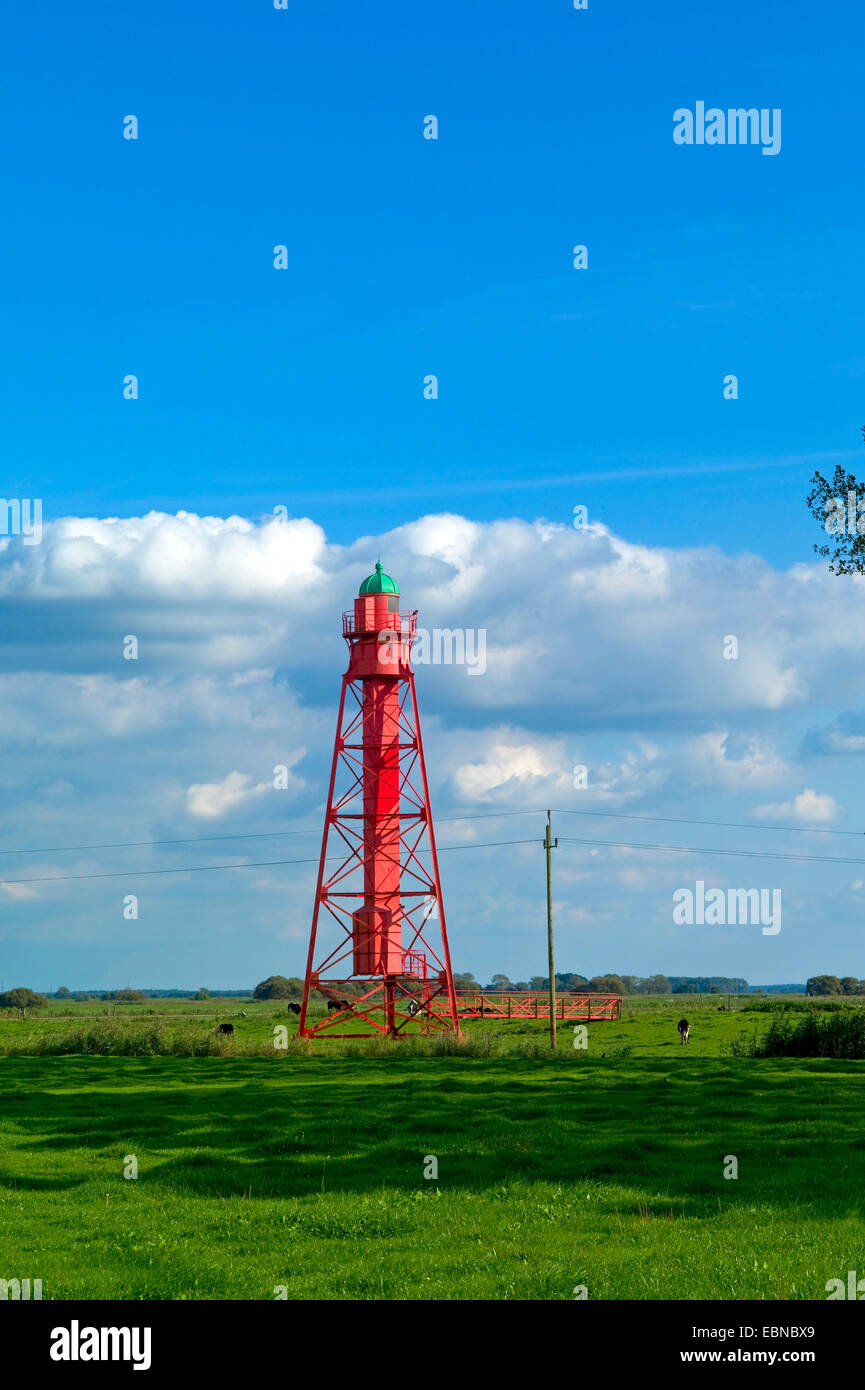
830,984
797,988
668,984
280,987
613,984
134,996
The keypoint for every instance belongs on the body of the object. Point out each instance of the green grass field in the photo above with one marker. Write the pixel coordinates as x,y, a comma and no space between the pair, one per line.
601,1168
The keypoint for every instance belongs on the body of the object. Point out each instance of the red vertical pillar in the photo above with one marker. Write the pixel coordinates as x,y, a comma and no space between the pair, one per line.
377,926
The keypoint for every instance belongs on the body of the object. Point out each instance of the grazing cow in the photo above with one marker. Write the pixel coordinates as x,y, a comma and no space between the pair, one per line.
294,1008
334,1005
225,1028
684,1030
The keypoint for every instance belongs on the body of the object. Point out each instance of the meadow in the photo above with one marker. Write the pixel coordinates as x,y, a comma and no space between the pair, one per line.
303,1170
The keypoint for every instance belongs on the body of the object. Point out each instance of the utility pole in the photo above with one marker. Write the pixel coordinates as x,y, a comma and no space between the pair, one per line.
549,845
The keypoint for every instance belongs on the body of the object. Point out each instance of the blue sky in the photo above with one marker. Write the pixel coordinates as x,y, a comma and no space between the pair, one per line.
557,387
260,127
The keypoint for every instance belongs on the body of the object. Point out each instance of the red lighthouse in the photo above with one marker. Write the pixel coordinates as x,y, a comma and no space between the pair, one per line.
383,931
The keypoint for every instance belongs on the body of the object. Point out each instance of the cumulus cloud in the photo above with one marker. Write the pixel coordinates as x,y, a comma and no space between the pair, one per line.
20,892
519,767
581,621
600,652
809,808
210,800
175,557
733,762
844,735
508,768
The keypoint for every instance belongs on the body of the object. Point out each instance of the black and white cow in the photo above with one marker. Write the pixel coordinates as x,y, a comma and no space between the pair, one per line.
684,1030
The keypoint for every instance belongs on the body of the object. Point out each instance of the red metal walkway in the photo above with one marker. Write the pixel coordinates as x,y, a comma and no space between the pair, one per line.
583,1008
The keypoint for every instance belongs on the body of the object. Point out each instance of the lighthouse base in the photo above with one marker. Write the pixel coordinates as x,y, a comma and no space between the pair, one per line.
383,960
395,1006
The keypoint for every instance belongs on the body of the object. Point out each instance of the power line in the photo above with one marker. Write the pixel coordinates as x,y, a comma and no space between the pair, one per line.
138,844
147,873
484,815
727,824
439,820
734,853
443,849
255,835
211,868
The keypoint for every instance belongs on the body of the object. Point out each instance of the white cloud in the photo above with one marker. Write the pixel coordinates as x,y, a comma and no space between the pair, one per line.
512,767
599,652
579,621
809,808
727,762
836,739
177,557
19,891
209,800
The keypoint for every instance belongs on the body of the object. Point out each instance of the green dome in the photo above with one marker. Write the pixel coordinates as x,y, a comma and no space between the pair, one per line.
378,583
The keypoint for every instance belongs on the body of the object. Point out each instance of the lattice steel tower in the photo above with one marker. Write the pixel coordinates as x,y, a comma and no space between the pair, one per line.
383,932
